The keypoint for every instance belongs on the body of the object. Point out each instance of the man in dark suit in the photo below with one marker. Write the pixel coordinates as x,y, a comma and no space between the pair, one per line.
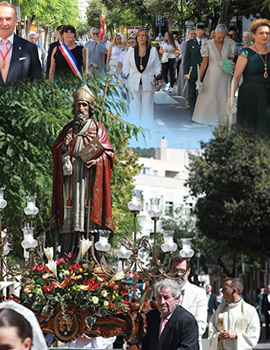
212,303
192,59
19,58
170,327
266,310
51,47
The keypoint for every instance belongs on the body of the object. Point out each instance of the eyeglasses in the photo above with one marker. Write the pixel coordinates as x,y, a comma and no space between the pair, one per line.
94,33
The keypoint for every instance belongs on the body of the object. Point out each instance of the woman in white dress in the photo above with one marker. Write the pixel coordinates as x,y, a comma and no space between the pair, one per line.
141,68
113,52
211,103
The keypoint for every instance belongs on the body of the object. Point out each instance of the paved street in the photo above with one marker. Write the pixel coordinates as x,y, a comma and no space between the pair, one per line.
171,120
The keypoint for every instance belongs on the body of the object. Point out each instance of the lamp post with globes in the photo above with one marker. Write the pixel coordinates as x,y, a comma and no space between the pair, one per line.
129,251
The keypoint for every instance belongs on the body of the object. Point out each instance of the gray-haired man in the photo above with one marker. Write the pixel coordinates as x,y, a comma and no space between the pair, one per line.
96,48
170,326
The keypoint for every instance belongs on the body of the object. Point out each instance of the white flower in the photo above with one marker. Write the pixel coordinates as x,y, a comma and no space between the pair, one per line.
52,267
118,276
49,253
85,245
106,303
104,293
95,300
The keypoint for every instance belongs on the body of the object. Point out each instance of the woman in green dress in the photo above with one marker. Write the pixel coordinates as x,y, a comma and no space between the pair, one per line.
253,110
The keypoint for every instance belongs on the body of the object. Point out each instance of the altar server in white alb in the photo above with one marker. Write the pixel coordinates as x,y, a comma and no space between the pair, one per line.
235,325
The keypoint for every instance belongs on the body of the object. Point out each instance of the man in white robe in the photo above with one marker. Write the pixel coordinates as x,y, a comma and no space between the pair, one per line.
235,325
193,298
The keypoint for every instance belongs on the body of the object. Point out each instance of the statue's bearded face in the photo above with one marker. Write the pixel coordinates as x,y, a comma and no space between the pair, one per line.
81,114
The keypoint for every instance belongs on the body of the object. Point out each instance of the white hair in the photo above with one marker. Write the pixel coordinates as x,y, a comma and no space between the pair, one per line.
221,28
94,28
248,33
168,283
32,33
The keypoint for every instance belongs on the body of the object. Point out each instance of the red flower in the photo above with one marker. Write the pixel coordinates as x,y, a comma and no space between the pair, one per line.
92,284
63,284
111,305
75,267
61,260
40,268
48,288
123,293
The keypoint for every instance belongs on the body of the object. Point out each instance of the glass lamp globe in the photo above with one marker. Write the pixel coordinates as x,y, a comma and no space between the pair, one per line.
3,202
31,209
103,245
168,245
186,251
28,238
136,203
155,211
123,253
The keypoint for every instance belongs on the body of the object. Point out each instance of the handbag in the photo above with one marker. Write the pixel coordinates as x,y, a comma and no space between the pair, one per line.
164,58
92,150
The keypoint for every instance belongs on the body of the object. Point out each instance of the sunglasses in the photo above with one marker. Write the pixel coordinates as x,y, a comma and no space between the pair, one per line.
95,33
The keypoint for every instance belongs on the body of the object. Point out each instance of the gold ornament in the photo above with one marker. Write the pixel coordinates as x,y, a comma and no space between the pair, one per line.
84,94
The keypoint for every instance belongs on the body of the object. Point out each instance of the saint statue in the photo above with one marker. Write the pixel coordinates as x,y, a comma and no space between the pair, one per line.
83,160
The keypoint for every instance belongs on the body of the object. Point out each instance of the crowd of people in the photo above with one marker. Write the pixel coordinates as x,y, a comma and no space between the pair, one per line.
205,67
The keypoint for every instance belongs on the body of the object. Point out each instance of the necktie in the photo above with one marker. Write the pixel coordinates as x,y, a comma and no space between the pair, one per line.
162,326
5,59
200,43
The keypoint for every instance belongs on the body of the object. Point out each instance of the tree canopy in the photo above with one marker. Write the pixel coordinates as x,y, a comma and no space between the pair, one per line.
231,180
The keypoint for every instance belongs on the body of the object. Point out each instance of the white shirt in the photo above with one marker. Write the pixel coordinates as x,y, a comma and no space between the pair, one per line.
122,57
10,43
194,301
169,47
199,40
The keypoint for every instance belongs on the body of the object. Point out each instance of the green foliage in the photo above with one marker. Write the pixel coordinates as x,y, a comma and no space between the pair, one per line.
94,10
231,180
82,29
29,125
49,12
145,152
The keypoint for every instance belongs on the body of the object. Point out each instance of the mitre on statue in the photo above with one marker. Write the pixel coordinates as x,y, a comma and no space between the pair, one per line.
84,94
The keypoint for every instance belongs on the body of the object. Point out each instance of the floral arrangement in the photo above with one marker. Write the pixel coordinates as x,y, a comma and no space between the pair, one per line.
63,282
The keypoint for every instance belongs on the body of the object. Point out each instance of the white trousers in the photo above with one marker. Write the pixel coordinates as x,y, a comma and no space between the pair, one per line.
142,104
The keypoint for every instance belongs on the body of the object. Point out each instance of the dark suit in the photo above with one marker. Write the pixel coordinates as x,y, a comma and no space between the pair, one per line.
191,59
180,332
212,306
24,62
265,312
49,56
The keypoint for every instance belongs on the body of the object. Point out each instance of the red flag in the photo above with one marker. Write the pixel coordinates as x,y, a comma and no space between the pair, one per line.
101,32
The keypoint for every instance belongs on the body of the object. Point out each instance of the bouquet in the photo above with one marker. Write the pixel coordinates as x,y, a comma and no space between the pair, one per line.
63,282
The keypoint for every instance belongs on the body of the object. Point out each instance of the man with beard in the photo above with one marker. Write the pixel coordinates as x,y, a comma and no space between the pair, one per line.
81,199
193,298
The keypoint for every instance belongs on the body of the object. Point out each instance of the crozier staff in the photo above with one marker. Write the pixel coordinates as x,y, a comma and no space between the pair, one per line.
78,182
